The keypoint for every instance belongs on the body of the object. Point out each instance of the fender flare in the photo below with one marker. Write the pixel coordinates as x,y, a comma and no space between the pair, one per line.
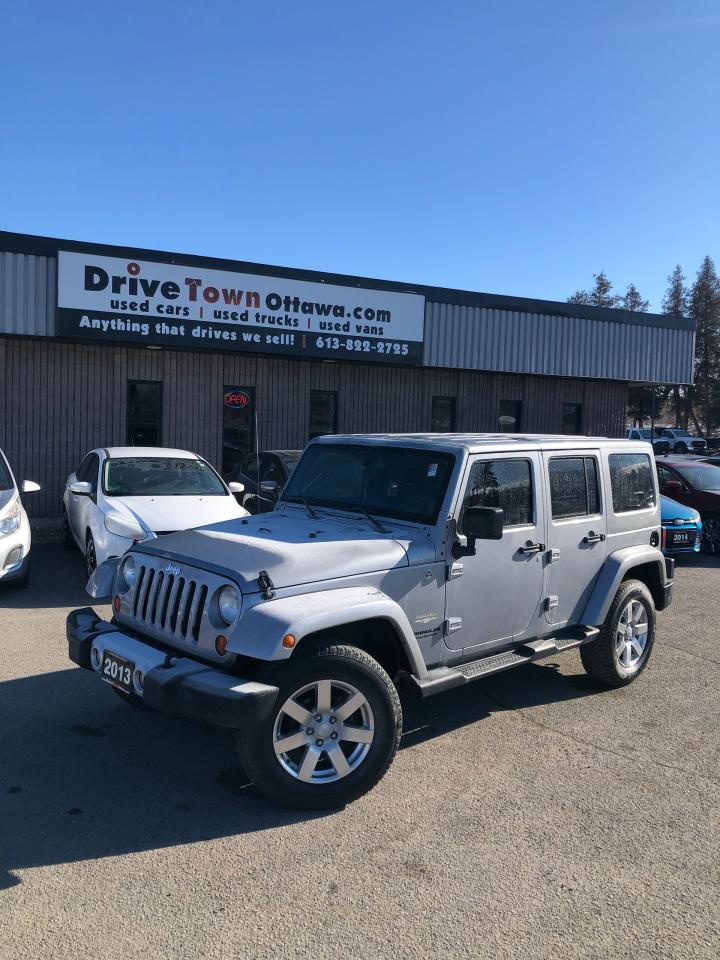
261,629
615,569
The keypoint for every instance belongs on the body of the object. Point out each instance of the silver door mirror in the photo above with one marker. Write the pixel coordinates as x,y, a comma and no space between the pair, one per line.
235,487
81,488
29,486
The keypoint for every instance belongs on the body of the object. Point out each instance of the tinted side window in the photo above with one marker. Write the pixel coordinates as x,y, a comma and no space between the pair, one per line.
501,483
573,487
632,482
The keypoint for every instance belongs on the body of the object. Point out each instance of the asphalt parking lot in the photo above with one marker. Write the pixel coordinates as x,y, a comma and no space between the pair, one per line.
529,815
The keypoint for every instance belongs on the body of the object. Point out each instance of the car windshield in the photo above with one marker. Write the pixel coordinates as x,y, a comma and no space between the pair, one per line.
701,477
5,479
398,482
160,477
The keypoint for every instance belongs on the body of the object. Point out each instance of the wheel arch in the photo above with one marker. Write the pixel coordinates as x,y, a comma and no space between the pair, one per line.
646,564
376,636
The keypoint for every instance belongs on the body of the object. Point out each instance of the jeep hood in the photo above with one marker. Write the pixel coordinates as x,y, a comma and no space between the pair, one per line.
294,549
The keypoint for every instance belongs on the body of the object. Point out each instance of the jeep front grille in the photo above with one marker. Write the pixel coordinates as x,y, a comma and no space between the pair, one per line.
170,605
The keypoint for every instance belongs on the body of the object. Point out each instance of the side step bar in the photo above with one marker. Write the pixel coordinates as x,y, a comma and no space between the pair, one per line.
445,678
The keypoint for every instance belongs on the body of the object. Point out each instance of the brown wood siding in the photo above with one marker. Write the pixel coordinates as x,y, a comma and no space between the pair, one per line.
58,400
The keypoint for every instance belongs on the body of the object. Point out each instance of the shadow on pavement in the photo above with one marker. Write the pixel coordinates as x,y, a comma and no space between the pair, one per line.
57,579
85,776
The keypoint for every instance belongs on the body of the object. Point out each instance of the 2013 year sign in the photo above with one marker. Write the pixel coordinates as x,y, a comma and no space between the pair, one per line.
119,299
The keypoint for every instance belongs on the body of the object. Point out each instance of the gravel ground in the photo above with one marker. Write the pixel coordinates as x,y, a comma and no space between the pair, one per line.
527,815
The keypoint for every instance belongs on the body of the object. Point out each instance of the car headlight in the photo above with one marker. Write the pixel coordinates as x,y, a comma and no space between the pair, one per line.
228,604
127,572
123,527
11,521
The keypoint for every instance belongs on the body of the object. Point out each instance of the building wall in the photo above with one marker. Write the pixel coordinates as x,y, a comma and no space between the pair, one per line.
57,400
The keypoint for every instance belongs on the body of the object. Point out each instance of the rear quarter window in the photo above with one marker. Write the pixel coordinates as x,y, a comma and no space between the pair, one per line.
631,482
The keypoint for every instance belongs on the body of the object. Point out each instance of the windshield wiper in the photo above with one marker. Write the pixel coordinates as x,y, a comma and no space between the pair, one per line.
373,520
305,503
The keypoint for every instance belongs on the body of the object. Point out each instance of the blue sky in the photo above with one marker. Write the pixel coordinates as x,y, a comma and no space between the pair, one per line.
509,147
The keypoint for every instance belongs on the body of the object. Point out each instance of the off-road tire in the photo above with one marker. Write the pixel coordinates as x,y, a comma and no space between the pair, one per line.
66,537
339,663
599,658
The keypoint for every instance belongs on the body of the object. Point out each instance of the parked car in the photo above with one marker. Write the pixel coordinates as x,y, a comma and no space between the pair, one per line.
682,441
660,445
123,495
695,483
14,528
264,475
437,560
681,528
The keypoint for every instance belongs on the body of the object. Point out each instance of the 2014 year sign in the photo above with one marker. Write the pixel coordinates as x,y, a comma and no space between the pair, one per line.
118,299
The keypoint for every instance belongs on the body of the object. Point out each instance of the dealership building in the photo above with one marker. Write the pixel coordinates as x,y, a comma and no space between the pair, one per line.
103,345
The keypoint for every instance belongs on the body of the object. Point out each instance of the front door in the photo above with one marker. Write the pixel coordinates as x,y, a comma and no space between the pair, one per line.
577,532
495,597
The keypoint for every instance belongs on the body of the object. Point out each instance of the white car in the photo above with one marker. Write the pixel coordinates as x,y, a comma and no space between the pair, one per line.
14,528
123,495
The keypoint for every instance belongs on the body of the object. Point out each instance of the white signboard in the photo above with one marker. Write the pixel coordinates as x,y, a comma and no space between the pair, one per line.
139,301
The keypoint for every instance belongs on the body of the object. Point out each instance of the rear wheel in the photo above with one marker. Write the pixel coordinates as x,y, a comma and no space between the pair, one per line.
622,650
332,735
711,535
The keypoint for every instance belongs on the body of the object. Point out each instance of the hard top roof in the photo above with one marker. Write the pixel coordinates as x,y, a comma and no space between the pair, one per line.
481,442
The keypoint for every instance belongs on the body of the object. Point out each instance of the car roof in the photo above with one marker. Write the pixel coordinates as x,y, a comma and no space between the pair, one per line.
684,462
483,442
148,452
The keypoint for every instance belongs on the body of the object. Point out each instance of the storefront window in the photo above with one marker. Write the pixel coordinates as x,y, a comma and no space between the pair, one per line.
443,415
571,418
238,426
323,413
144,413
509,419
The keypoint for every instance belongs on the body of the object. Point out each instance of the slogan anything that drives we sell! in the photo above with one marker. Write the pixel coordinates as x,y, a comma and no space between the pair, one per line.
136,301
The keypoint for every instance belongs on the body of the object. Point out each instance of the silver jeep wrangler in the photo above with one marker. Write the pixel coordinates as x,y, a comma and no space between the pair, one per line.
433,559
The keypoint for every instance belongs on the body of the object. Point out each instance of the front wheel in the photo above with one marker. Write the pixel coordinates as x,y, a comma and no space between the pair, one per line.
622,650
332,735
90,555
681,447
711,535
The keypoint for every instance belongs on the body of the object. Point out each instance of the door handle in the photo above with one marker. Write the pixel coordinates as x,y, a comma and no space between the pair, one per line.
594,538
532,547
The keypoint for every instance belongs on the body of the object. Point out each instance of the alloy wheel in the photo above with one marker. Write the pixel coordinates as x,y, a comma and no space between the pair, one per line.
323,731
711,535
631,636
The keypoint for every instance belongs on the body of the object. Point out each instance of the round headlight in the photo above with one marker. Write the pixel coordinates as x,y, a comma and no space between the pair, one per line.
128,571
228,604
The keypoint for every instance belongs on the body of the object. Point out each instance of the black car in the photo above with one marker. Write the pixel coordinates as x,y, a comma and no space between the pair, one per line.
264,475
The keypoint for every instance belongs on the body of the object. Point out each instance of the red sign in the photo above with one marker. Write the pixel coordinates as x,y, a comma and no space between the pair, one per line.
236,398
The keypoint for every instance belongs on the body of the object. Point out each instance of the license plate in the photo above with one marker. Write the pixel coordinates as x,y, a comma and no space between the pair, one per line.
117,671
678,538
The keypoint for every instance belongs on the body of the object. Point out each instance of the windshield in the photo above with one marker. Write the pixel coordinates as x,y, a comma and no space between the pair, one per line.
702,478
390,481
160,477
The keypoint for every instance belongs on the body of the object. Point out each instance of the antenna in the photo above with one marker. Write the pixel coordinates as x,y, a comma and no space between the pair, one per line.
257,457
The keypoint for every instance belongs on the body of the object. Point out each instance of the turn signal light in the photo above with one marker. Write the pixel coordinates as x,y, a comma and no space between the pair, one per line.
116,604
288,641
220,645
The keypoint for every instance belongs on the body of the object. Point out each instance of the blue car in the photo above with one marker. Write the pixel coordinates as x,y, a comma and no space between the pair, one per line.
681,527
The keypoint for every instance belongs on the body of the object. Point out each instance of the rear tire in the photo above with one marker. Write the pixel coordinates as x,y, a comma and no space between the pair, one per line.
711,535
331,757
622,650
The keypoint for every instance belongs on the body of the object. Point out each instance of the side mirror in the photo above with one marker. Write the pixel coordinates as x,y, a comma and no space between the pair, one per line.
235,487
673,486
269,486
81,488
29,486
480,523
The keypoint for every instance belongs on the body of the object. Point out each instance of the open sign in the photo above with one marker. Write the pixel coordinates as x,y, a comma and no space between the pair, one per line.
236,398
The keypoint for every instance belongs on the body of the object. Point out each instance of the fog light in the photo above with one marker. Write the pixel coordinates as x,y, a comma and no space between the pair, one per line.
116,604
220,645
138,680
289,641
95,658
13,558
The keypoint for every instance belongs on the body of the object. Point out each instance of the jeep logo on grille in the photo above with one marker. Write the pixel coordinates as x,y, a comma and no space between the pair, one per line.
173,569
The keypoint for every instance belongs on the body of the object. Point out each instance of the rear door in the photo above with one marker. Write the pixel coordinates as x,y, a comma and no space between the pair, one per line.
577,532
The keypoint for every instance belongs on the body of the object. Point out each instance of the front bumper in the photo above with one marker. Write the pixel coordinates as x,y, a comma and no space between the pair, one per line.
171,684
